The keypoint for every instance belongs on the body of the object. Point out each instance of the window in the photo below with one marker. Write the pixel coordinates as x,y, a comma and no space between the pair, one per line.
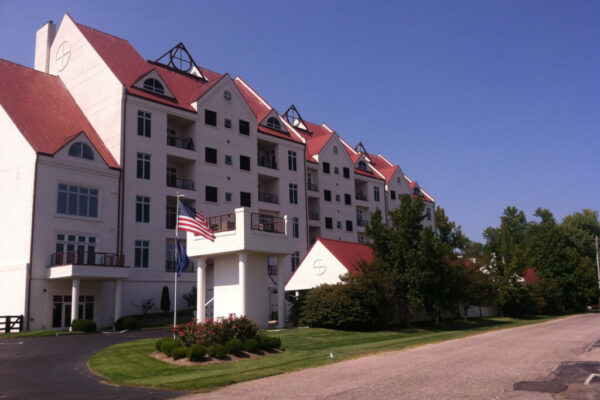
227,123
393,194
338,198
154,85
245,163
348,199
210,155
142,250
292,160
376,193
245,199
142,209
295,260
228,196
339,224
244,127
325,167
361,238
362,165
210,194
327,195
66,243
143,166
171,177
274,123
81,150
228,160
349,225
328,223
210,117
296,227
336,170
143,123
227,96
293,193
428,213
75,200
171,222
335,150
347,172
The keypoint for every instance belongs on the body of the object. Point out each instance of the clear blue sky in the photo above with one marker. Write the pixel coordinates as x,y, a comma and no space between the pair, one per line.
485,103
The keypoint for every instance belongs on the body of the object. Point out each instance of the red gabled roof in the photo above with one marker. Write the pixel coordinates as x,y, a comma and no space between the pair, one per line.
348,253
426,196
129,67
384,166
367,173
315,140
44,111
530,275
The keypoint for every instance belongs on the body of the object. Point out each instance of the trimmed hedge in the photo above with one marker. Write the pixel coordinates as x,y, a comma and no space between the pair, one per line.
234,346
83,325
168,346
217,350
269,342
251,345
179,352
129,323
196,352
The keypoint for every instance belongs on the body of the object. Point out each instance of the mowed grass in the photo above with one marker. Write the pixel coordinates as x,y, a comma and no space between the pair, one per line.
129,363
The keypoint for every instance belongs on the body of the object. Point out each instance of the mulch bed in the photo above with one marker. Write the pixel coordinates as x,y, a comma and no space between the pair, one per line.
209,360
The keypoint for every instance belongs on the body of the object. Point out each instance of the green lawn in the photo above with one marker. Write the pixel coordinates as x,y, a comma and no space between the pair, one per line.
129,363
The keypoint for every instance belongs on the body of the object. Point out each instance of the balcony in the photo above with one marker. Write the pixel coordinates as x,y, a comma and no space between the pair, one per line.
313,216
312,187
179,183
361,196
361,222
267,223
171,266
268,198
181,142
222,223
87,264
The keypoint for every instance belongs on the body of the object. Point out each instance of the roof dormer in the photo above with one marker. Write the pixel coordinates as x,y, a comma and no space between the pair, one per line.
292,116
152,82
180,60
273,121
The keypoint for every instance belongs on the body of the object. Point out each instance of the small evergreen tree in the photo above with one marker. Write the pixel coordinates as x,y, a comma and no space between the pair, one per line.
165,300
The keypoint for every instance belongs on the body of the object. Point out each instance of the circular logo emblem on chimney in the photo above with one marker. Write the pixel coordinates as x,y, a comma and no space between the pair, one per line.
63,54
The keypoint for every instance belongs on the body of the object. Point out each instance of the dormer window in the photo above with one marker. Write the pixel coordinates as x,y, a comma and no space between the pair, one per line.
417,191
274,123
362,165
153,85
81,150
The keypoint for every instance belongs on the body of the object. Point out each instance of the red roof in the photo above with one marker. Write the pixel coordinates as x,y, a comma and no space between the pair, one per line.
382,165
129,67
367,173
316,139
530,276
44,111
348,253
426,197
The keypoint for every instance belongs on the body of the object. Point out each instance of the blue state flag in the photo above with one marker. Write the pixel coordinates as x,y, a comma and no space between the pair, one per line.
182,258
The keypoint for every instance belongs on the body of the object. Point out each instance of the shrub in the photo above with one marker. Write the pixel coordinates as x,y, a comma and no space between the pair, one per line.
196,352
234,346
83,325
179,352
269,342
160,342
216,332
129,323
217,350
251,345
168,346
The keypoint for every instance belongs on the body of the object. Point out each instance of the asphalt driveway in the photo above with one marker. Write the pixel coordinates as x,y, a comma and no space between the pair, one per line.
55,368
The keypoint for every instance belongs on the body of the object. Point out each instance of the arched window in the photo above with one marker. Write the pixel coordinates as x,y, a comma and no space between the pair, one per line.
362,165
274,123
81,150
154,85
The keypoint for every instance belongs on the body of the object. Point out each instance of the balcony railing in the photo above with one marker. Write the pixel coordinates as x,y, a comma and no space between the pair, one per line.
361,222
267,223
361,196
268,198
182,143
91,258
180,183
267,162
171,266
312,186
222,223
313,216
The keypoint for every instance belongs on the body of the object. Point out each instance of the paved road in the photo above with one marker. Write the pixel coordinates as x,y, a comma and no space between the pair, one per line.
55,368
484,366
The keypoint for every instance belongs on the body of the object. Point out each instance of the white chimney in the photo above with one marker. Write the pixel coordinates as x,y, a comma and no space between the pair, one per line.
43,41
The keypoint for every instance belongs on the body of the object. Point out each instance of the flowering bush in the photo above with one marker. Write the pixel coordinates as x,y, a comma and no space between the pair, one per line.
216,332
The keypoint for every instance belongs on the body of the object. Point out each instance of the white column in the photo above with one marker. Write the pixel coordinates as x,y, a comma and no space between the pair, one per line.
200,289
280,292
243,268
75,300
118,298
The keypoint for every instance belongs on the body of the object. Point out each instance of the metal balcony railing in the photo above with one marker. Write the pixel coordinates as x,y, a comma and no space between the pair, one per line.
361,222
182,143
361,196
171,266
313,216
267,223
268,198
222,223
91,258
180,183
312,187
267,162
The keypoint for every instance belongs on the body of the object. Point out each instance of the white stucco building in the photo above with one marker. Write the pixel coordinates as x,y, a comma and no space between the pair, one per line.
99,142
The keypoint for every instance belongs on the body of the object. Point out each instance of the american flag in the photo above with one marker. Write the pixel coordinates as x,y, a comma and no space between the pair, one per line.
193,221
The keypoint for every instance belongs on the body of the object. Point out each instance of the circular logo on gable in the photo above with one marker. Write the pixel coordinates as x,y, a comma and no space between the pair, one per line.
63,54
319,267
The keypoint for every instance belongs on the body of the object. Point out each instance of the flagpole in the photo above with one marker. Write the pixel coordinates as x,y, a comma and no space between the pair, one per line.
176,261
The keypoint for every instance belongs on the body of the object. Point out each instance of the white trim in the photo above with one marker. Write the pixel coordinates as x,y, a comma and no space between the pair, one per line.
237,78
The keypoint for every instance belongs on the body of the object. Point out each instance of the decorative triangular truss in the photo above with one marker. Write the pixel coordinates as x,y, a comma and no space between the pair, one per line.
180,59
292,116
361,149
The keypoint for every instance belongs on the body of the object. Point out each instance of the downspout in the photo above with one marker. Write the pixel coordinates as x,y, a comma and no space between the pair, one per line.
121,194
30,267
306,201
